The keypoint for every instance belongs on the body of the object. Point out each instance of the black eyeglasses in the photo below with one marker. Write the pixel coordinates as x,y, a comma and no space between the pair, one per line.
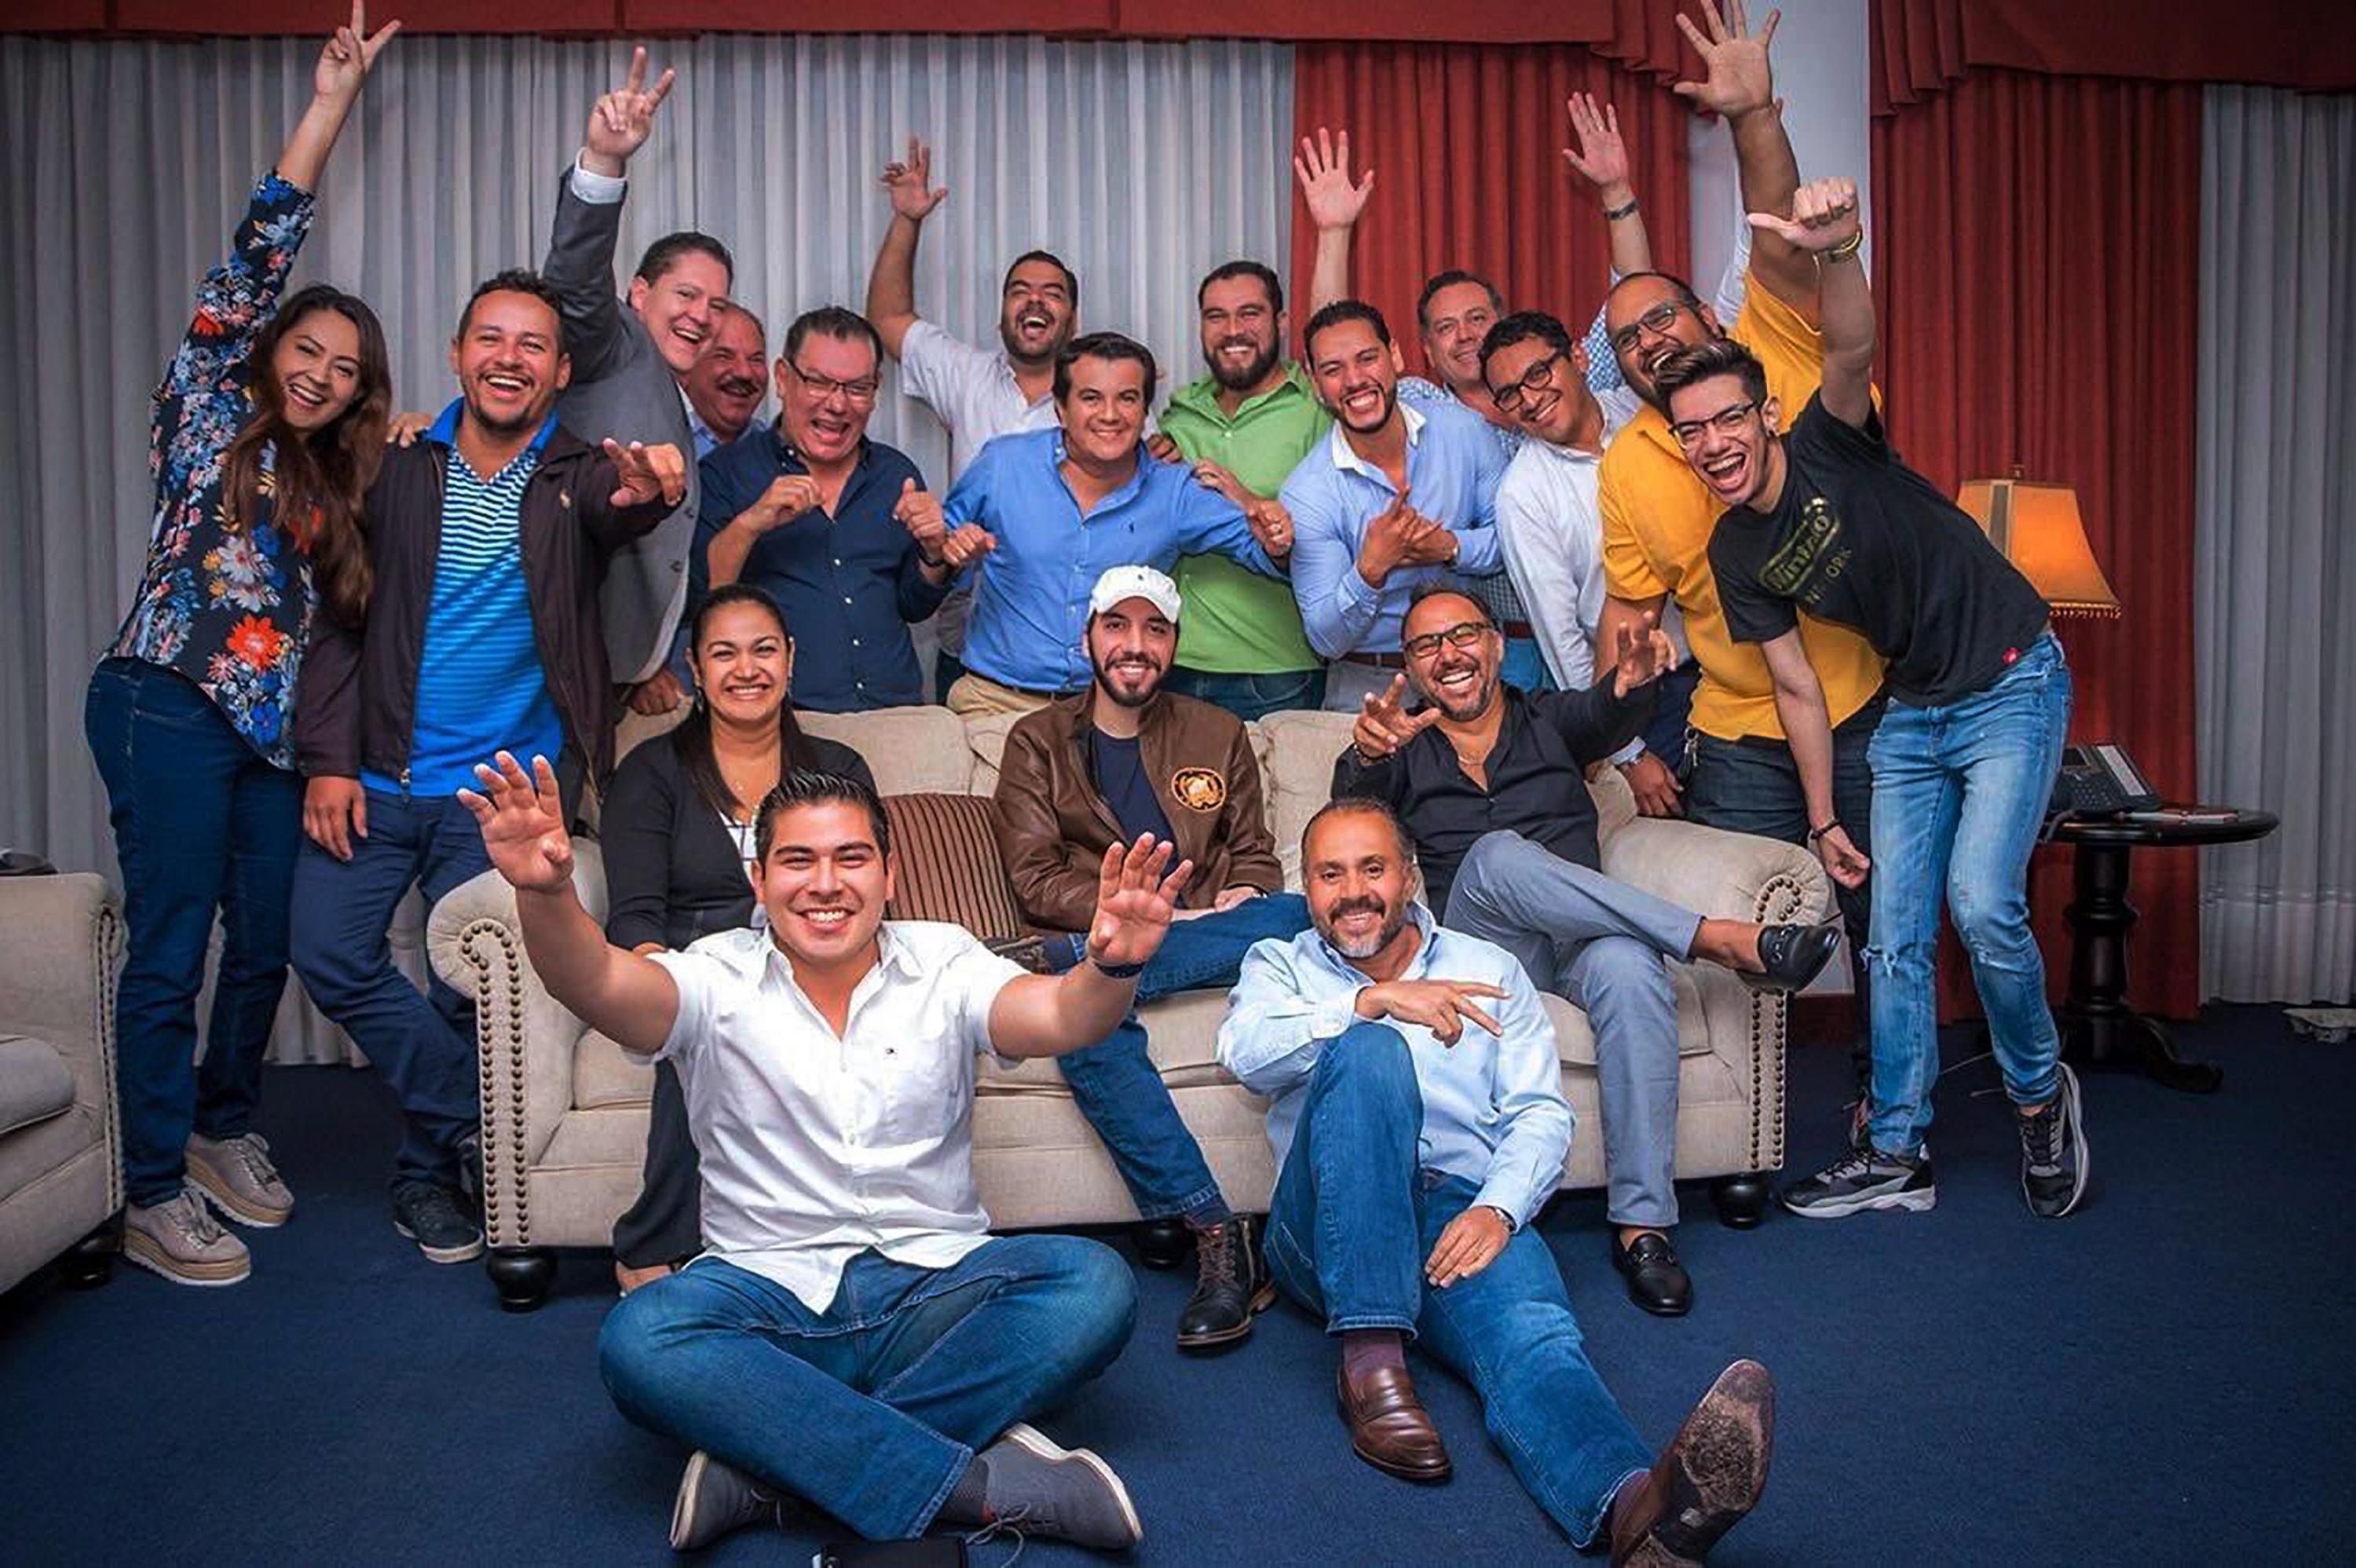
1532,382
1656,321
1462,635
859,393
1726,421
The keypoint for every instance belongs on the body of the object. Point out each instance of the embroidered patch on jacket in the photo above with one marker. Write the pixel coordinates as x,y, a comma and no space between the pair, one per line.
1198,789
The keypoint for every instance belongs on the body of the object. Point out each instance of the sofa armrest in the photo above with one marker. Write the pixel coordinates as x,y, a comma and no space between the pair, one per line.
524,1038
63,942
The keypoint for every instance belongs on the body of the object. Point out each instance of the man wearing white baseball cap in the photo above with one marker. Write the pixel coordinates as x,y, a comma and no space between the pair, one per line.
1121,760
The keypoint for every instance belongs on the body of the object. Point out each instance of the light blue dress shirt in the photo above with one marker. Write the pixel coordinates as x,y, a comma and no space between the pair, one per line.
1453,464
1032,599
1493,1107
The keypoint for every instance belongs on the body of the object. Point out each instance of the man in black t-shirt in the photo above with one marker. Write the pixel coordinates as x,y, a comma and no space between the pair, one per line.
1828,520
1121,760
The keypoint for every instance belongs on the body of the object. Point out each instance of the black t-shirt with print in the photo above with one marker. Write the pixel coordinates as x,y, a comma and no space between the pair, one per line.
1120,779
1861,539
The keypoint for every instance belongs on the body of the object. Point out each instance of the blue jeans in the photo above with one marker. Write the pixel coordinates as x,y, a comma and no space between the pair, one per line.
1118,1088
1525,667
873,1408
425,1049
201,824
1960,792
1664,732
1352,1222
1250,696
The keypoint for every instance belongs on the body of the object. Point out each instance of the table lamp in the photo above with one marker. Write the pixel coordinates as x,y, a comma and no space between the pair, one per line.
2038,528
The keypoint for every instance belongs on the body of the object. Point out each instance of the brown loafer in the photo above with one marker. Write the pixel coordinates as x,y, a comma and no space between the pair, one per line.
1388,1427
1709,1476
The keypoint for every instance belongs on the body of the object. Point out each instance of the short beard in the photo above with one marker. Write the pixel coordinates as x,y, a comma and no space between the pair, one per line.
517,426
1055,345
1384,934
1483,695
1390,408
1250,376
1105,685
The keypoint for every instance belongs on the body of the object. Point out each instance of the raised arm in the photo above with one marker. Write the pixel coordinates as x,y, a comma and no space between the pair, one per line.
1824,227
580,265
335,82
1740,85
626,996
892,283
1038,1016
1601,159
1322,170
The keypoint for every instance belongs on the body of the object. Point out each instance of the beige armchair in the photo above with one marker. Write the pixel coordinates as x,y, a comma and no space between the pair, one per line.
564,1112
61,1139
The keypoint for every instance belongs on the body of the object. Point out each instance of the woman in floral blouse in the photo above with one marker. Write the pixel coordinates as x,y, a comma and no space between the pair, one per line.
268,429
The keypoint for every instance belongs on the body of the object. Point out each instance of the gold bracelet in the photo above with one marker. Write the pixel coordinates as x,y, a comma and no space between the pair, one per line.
1846,249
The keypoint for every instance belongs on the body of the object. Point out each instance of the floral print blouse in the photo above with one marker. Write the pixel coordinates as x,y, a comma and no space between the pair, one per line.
230,611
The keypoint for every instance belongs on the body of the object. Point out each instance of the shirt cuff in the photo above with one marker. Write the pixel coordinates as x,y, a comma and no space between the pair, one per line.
1628,753
597,189
1518,1207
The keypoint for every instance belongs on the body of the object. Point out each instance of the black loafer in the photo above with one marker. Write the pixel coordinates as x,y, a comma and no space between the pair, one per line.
1162,1244
1656,1281
1792,955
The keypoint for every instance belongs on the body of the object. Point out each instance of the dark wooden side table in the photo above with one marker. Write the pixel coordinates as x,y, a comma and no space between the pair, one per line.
2098,1028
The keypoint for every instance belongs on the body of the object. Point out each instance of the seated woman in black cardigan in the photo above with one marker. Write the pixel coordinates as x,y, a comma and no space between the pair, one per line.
677,832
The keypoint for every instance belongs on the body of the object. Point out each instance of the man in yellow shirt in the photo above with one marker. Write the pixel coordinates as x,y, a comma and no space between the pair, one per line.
1737,771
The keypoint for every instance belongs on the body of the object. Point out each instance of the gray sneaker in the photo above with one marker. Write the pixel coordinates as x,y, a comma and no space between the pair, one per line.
714,1499
180,1240
236,1177
1036,1487
2054,1163
1872,1179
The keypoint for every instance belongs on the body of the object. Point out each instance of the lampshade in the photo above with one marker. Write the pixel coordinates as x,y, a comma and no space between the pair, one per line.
2038,528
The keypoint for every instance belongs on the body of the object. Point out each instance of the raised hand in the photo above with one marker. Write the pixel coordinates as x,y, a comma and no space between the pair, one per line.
787,497
1824,214
919,512
1443,1007
1739,79
344,63
643,474
1383,725
622,120
1640,652
1271,524
1601,157
1322,170
1135,901
909,183
962,547
522,821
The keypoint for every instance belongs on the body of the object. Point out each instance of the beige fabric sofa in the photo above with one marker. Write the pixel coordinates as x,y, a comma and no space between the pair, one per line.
61,1140
564,1113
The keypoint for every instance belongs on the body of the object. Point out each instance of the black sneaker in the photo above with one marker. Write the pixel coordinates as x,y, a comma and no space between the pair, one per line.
1867,1181
432,1216
2053,1158
1231,1282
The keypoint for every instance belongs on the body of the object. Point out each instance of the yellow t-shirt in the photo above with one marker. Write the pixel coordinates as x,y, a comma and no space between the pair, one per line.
1658,517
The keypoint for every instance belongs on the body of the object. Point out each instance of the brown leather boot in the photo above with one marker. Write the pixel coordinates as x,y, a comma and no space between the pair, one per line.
1388,1426
1709,1476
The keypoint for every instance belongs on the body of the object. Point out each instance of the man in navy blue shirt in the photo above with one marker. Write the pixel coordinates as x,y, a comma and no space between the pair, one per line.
837,527
1052,510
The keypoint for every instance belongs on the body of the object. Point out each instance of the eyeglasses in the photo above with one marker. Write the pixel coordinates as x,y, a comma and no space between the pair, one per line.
1532,382
859,393
1726,421
1462,635
1656,321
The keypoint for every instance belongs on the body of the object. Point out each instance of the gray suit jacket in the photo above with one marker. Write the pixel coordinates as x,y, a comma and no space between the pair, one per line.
622,389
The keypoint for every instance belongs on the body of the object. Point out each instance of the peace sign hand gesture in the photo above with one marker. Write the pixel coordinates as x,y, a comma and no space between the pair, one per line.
623,119
1638,656
344,63
1384,726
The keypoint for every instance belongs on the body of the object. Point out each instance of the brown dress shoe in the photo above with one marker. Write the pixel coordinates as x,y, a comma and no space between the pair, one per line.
1709,1476
1388,1428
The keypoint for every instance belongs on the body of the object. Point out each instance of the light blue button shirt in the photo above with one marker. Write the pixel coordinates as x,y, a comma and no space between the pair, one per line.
1032,599
1493,1107
1453,464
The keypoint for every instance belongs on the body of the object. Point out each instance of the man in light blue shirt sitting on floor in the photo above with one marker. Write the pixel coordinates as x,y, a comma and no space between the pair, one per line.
1419,1124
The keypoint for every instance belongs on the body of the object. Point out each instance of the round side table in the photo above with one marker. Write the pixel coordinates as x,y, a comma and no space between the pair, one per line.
2098,1028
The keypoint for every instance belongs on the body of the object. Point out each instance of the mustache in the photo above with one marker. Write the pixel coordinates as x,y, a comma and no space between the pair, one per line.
1348,907
741,386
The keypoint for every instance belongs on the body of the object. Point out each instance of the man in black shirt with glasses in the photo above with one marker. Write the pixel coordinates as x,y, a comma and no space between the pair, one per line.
1491,784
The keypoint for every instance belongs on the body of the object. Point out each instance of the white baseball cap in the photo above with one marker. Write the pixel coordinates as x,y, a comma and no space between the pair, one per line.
1121,582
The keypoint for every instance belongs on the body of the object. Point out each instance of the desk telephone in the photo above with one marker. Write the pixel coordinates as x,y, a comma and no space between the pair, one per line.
2100,780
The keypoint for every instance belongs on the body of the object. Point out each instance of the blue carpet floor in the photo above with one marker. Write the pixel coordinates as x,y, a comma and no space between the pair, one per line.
2165,1378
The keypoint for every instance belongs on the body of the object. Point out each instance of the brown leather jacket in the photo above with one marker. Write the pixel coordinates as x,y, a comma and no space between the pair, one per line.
1054,827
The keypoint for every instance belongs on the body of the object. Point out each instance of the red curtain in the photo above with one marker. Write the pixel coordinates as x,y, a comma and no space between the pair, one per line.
1465,142
2036,252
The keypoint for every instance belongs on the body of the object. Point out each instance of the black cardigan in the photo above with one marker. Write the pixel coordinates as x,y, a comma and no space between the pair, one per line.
671,869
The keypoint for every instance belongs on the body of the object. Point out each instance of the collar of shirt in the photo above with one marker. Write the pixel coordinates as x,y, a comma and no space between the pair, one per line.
1126,490
753,953
1202,396
791,461
1340,968
1347,458
444,431
1567,454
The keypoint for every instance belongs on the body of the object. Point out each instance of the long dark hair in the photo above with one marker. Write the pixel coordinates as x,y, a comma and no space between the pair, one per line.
691,739
317,481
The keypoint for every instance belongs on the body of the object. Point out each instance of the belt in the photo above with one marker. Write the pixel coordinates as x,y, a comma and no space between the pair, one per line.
1377,661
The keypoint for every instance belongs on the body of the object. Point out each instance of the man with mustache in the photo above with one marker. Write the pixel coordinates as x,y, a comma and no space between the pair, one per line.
851,1334
1491,781
839,529
1122,759
631,357
1738,772
1391,498
1418,1123
487,538
977,393
1047,511
730,379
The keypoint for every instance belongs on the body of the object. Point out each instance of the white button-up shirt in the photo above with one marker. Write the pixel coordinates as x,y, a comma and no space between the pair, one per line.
1493,1107
816,1146
972,391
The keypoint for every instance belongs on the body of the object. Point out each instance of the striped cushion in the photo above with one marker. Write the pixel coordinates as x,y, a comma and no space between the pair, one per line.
948,869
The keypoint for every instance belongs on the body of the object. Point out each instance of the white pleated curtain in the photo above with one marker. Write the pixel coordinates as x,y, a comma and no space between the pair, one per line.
2274,577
